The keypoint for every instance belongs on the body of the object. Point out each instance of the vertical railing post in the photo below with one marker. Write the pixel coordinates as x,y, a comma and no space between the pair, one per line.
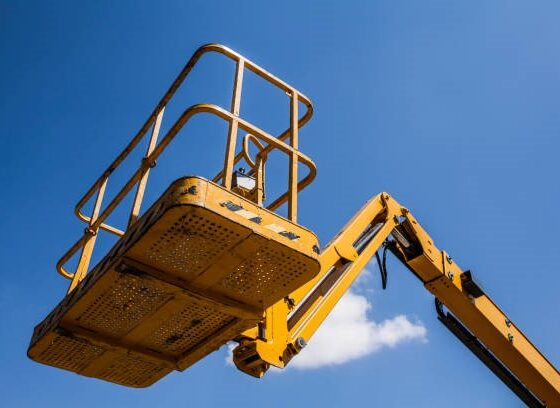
87,250
260,180
233,125
293,178
141,187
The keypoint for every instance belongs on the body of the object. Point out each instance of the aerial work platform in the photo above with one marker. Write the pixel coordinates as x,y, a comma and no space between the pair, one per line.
216,260
196,269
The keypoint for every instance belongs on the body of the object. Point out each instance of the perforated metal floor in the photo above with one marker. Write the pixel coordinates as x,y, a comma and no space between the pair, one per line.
194,272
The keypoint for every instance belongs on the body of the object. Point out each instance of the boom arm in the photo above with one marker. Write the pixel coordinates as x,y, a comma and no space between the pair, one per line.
473,317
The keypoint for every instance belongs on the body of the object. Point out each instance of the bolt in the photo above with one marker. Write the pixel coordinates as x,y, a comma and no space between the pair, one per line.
510,337
508,322
450,274
90,231
147,163
300,342
449,259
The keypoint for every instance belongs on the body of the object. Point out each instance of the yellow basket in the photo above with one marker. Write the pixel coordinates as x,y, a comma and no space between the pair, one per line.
199,267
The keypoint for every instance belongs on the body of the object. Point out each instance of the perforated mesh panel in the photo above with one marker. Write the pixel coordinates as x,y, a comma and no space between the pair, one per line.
190,245
187,328
265,274
133,371
122,306
71,354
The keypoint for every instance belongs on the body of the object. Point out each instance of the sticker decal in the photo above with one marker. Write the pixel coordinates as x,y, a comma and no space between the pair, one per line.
258,220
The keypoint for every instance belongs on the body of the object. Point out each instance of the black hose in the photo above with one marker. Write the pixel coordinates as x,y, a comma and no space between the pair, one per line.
385,277
382,263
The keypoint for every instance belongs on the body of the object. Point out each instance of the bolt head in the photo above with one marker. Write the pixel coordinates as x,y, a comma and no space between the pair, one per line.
300,342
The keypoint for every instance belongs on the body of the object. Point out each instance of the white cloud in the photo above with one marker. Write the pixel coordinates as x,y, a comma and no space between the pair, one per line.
347,334
229,350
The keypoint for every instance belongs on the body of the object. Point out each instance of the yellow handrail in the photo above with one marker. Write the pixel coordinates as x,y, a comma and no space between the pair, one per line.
139,178
218,48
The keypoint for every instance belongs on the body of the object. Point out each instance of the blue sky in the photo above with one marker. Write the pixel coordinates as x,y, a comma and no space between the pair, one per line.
452,107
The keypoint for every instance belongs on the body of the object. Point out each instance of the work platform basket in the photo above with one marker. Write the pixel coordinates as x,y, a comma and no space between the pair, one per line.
196,269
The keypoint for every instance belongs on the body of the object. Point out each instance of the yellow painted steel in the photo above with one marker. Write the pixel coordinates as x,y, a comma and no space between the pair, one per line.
441,276
208,262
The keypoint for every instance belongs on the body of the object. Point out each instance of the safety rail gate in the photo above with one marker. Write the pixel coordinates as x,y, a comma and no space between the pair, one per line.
198,267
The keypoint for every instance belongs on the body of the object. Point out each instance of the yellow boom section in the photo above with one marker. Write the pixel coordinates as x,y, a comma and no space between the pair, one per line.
474,317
